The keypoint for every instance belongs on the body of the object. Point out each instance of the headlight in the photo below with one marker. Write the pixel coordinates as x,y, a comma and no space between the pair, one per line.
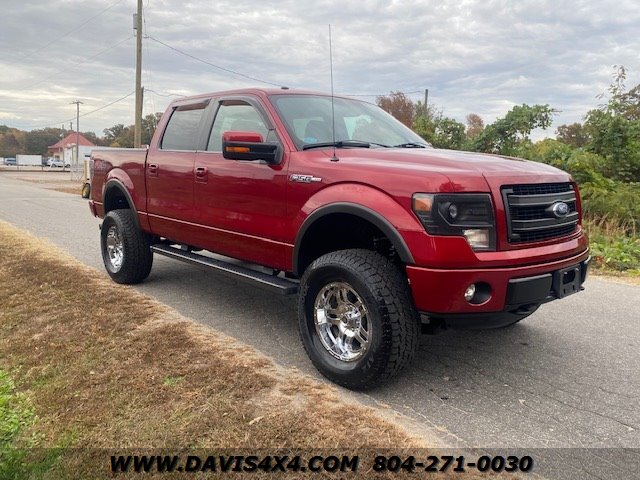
469,215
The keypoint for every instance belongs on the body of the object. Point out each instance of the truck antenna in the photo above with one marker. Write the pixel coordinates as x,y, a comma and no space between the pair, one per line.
333,112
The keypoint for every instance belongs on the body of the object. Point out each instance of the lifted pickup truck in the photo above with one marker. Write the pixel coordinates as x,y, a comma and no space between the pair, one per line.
334,200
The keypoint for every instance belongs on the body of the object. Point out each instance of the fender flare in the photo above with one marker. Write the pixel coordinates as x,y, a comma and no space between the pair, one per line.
114,183
362,212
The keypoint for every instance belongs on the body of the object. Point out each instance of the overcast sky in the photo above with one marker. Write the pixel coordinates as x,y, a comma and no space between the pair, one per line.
480,56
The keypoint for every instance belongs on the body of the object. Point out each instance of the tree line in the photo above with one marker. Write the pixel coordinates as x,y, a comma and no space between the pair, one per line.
14,141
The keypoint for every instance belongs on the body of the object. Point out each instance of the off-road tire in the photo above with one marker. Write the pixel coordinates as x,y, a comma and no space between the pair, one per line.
395,324
136,254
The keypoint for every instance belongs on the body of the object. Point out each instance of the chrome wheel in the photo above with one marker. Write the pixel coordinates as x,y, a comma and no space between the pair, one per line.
342,321
115,248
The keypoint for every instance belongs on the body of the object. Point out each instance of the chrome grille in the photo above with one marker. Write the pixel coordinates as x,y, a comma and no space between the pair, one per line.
530,217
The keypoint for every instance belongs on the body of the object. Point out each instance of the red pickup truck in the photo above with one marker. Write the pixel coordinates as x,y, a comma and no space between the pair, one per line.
380,235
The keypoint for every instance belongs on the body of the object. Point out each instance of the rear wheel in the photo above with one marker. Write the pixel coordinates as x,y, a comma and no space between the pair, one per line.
356,317
126,251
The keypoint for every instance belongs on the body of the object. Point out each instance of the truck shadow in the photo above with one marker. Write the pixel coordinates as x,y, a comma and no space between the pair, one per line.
533,383
450,360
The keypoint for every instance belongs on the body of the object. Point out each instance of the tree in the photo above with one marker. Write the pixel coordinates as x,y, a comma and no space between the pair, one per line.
119,136
475,126
95,139
507,134
149,124
398,105
614,129
37,142
574,135
441,132
9,143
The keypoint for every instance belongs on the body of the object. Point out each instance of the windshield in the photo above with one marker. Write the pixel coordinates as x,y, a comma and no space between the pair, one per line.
308,121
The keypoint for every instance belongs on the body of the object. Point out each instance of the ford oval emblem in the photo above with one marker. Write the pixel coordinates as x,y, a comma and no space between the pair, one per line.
560,209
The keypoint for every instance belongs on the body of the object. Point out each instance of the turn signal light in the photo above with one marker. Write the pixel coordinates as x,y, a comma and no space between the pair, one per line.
238,149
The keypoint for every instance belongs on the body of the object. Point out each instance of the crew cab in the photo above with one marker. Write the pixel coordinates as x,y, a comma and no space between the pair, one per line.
330,198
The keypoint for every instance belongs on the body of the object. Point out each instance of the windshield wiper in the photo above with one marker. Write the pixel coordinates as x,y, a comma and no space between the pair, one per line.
411,145
338,144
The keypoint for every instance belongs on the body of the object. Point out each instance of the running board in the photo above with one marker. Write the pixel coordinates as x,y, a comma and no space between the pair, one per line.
269,282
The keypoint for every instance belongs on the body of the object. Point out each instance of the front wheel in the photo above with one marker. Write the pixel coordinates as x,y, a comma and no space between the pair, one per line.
126,251
356,317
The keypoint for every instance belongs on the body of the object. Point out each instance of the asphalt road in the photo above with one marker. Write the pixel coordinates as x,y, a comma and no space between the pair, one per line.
568,376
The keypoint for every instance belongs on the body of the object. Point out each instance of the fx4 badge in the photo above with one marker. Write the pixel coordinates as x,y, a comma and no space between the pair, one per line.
298,177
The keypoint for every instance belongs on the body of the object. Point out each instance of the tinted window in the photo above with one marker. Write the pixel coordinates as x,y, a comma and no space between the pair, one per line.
235,116
182,130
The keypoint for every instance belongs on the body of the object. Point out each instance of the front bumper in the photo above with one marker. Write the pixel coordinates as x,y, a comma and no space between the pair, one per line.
439,292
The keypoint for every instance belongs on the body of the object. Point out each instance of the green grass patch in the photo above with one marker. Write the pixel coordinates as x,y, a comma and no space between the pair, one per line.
613,247
19,458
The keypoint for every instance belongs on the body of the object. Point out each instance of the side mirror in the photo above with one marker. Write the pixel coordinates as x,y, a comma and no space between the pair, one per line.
248,146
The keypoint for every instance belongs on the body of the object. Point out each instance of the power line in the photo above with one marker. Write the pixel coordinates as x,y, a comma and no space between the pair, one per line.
64,35
228,70
164,94
108,104
61,122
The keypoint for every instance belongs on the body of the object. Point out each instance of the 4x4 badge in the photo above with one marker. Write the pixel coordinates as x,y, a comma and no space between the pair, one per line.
298,177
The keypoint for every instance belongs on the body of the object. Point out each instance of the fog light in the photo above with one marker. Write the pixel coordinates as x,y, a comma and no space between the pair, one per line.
470,292
478,238
453,211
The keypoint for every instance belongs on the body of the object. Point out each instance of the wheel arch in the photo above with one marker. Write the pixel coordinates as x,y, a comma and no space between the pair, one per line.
116,196
358,211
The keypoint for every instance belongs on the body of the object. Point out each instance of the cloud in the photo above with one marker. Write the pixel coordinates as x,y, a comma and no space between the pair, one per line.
473,56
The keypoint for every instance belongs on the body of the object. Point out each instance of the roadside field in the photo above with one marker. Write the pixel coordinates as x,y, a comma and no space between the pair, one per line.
88,367
52,179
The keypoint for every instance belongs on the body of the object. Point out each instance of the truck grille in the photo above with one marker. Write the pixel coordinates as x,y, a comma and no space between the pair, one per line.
531,216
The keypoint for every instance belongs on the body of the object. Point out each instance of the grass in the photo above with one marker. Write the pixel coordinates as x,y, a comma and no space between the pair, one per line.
16,415
615,247
95,365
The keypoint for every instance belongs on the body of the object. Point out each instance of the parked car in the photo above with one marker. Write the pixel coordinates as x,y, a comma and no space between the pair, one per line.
10,161
59,163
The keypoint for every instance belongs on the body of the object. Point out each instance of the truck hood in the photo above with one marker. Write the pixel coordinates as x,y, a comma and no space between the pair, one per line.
452,162
464,170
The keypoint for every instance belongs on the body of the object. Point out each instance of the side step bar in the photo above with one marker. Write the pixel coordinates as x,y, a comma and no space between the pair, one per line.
269,282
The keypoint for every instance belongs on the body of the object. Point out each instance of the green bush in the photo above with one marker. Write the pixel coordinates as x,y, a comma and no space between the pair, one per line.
611,248
619,202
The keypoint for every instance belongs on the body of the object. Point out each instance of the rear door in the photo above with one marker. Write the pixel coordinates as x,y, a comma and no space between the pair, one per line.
170,170
240,205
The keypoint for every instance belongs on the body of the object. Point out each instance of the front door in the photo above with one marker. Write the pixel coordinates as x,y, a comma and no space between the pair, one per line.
240,205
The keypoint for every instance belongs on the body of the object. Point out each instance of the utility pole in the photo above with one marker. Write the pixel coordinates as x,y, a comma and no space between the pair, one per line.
137,133
77,159
426,99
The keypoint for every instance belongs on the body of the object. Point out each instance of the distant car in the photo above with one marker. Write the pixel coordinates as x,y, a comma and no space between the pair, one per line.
10,161
58,164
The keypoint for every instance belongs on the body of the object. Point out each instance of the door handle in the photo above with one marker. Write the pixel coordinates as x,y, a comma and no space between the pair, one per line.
201,174
153,169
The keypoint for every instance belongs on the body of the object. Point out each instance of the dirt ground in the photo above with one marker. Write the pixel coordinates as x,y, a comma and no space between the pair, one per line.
49,178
